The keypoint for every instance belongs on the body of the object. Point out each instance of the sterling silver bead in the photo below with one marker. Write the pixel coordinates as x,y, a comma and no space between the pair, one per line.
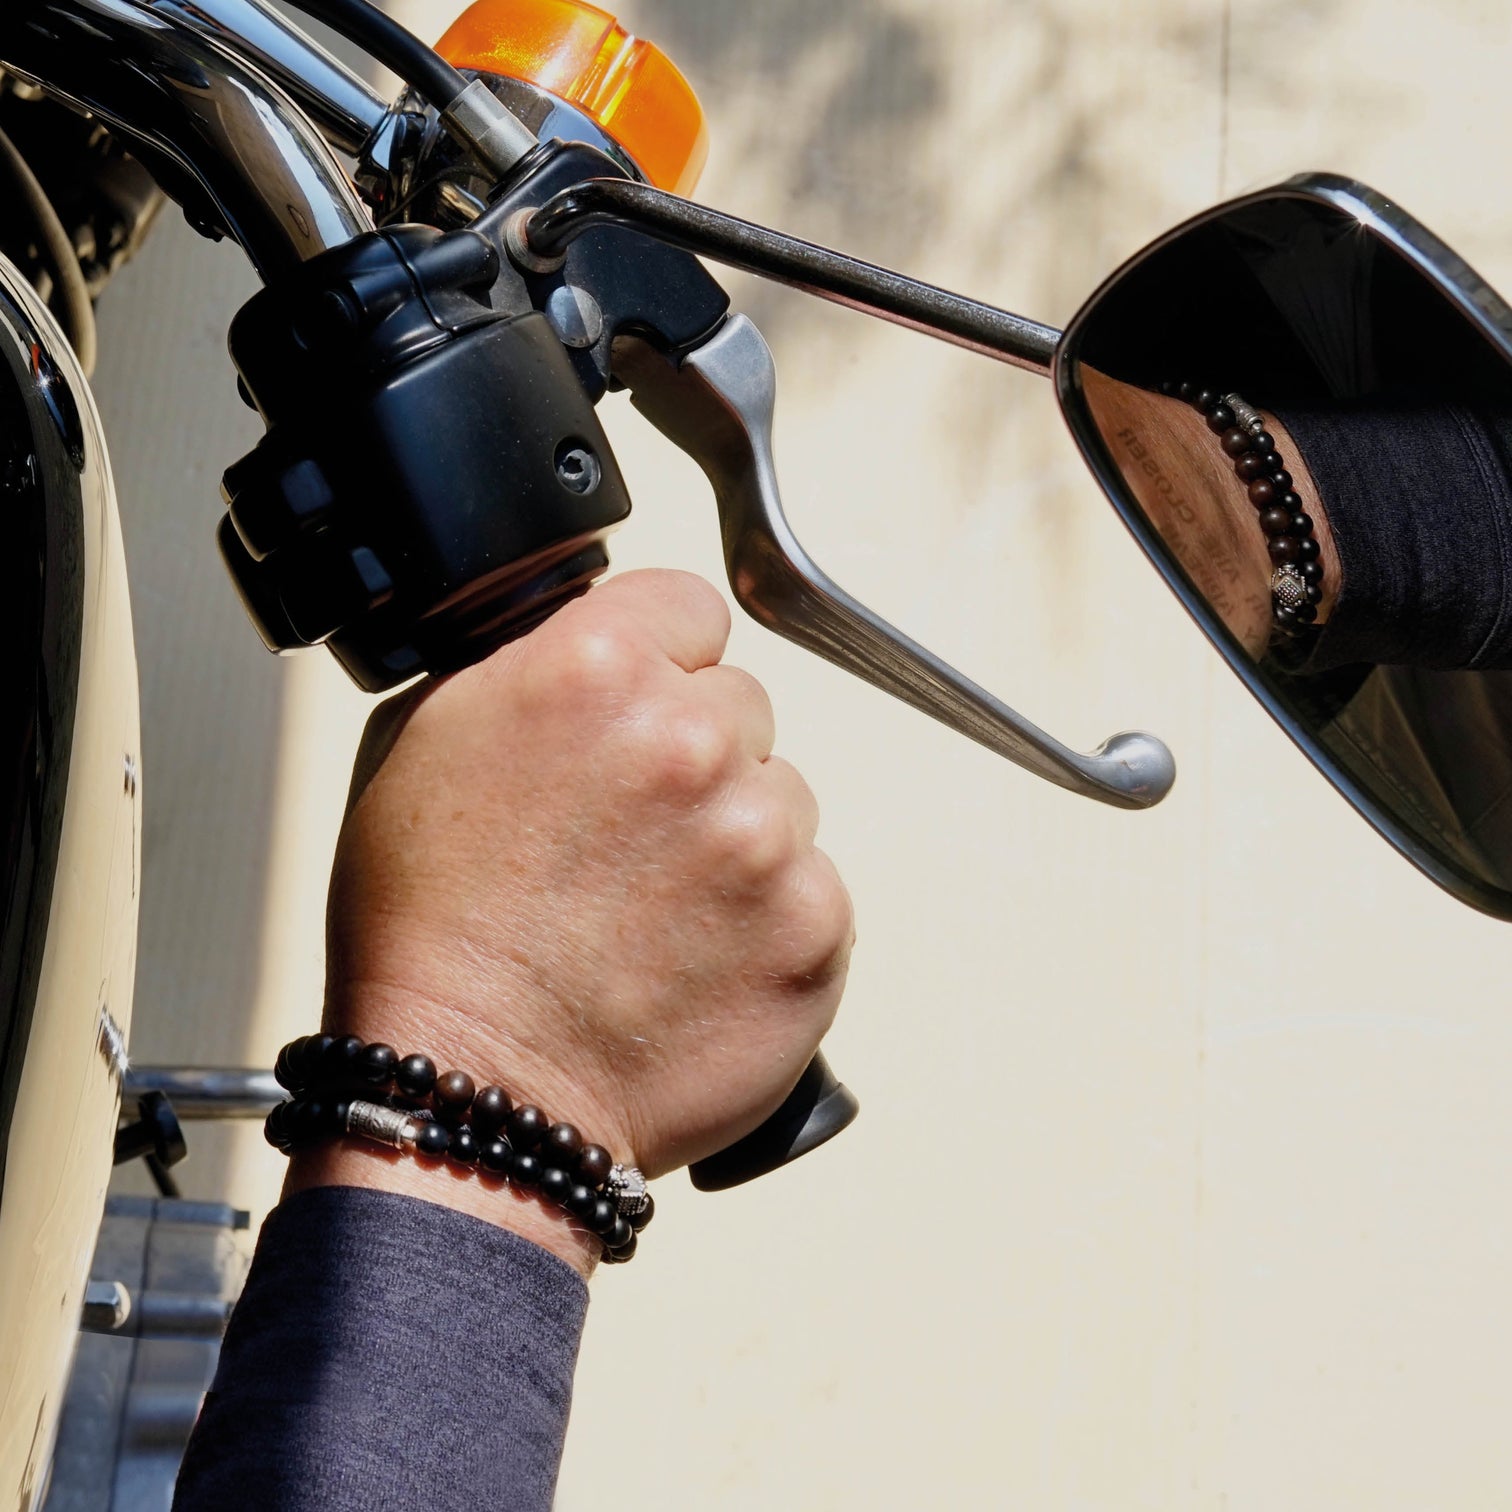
1245,415
626,1189
1289,587
394,1127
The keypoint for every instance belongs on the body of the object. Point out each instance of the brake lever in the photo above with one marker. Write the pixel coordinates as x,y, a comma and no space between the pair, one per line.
717,404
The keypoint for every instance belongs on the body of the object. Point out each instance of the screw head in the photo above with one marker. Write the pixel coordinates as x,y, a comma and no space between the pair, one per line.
578,469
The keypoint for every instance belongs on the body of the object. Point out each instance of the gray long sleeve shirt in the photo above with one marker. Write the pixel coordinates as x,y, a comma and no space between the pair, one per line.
388,1353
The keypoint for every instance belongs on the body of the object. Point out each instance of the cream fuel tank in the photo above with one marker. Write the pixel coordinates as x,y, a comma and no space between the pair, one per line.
70,849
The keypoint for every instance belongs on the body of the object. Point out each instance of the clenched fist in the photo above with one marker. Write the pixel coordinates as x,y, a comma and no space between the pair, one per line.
577,869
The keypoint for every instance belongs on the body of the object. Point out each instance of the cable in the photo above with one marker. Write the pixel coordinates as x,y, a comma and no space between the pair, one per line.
76,309
385,40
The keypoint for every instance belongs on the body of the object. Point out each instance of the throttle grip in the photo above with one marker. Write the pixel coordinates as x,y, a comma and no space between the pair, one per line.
816,1110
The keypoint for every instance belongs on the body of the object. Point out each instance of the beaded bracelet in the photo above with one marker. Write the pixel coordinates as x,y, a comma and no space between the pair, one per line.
343,1086
1296,582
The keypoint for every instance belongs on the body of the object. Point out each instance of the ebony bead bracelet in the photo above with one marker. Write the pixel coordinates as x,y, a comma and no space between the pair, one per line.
1296,582
342,1086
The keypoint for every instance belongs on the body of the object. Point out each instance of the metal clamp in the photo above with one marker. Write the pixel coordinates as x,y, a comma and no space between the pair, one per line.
718,407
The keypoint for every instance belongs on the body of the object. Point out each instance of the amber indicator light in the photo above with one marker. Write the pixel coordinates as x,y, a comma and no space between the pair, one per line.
583,56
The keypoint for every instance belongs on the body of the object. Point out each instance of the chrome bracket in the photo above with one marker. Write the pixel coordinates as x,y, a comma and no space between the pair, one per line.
718,406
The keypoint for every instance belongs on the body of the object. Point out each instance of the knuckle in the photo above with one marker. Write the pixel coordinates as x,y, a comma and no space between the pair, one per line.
591,658
758,843
692,751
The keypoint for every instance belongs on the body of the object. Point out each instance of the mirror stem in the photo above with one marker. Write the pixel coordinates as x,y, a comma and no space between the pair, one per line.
785,259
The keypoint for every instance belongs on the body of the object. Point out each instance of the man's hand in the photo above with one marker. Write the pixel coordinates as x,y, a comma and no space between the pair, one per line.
578,870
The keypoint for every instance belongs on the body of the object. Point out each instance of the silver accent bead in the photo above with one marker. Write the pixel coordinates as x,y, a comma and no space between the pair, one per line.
394,1127
1288,586
1247,416
626,1189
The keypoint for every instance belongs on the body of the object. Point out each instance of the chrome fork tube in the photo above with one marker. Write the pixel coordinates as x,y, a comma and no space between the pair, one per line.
183,94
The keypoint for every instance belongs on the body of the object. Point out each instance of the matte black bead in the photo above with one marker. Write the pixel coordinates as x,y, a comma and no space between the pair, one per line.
555,1184
303,1065
1307,613
562,1145
619,1235
496,1155
276,1127
624,1252
1235,442
433,1139
603,1216
283,1070
1312,572
525,1168
1273,462
1249,467
1314,593
594,1165
1263,442
1282,550
453,1094
580,1200
336,1119
526,1125
639,1220
1308,550
1284,618
464,1147
1169,387
312,1120
490,1107
1219,419
1263,492
1301,525
339,1061
1292,502
377,1065
415,1076
1205,399
1187,391
1275,521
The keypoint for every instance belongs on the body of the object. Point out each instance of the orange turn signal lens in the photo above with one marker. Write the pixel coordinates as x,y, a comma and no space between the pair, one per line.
583,56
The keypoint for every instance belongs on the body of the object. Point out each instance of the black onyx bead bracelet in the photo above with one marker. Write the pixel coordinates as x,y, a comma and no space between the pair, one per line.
343,1086
1296,582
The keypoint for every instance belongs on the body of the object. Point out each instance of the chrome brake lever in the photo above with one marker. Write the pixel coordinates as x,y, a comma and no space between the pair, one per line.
717,405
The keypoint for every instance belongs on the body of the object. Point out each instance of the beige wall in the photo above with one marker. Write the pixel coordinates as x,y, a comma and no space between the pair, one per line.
1181,1177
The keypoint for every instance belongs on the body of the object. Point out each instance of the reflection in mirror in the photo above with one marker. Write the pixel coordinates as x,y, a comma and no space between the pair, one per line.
1302,405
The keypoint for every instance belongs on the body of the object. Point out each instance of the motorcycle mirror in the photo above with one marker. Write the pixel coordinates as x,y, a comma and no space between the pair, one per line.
1300,403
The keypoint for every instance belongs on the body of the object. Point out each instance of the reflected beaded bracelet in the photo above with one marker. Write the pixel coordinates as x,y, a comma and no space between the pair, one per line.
1296,582
343,1086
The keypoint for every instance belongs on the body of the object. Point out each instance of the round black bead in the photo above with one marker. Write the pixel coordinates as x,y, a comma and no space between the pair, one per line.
594,1165
496,1155
1282,549
603,1216
1284,618
432,1139
415,1076
1275,521
377,1064
639,1220
1169,387
1314,593
283,1067
1292,502
562,1145
1264,443
527,1124
1262,492
1302,524
1308,550
304,1064
1312,572
1307,613
1249,467
339,1062
525,1168
453,1094
311,1120
490,1107
464,1148
276,1127
580,1200
623,1253
619,1235
1187,391
1273,462
1205,399
1219,419
556,1184
1235,442
1281,478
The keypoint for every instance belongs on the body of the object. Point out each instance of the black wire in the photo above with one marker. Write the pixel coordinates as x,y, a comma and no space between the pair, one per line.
384,39
75,310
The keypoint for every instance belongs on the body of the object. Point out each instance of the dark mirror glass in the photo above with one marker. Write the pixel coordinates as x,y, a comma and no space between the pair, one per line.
1302,406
